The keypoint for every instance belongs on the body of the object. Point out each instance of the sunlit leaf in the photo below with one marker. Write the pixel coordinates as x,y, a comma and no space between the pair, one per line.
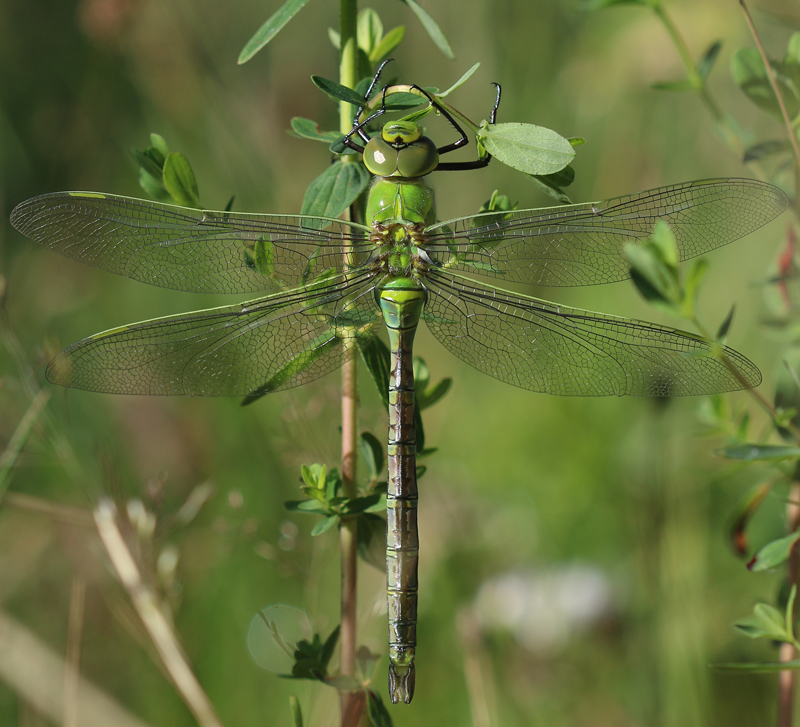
333,191
526,147
271,28
774,553
179,180
759,452
432,29
691,286
460,81
389,42
338,92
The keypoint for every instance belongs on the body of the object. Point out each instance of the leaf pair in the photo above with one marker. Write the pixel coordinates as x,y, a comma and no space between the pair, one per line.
166,176
367,30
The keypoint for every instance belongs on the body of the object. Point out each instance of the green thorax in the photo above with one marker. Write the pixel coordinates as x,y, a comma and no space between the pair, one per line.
398,210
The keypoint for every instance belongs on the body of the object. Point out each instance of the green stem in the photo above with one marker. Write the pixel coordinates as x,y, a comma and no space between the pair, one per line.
348,533
745,384
731,137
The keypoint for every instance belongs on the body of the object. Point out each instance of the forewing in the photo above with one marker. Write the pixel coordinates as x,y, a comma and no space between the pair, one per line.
554,349
584,244
187,249
273,343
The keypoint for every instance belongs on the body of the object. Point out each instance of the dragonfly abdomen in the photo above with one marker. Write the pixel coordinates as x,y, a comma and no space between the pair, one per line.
401,304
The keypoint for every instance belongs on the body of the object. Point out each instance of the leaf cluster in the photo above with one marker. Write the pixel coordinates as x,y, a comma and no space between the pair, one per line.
166,176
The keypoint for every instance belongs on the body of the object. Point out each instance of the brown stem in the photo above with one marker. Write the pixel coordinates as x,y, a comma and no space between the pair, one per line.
787,651
72,662
773,82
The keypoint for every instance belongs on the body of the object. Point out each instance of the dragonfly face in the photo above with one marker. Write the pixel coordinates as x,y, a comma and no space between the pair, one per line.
401,151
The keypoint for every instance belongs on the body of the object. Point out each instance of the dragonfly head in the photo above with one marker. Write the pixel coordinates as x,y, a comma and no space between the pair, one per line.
401,150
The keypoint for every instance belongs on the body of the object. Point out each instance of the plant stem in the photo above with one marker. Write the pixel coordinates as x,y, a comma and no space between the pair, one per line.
348,532
731,137
757,395
788,651
773,82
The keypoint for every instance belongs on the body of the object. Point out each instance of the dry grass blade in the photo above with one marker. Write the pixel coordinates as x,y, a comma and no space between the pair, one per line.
9,458
72,670
146,605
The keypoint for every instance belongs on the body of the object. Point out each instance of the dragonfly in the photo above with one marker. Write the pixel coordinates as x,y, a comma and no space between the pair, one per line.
334,284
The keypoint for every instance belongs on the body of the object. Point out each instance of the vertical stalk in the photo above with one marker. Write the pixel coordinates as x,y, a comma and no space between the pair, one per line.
787,651
351,702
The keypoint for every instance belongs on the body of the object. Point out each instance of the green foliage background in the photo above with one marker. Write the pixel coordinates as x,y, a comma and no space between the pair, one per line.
521,481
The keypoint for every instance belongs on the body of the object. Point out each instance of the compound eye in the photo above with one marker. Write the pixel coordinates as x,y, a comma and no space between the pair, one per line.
418,159
380,158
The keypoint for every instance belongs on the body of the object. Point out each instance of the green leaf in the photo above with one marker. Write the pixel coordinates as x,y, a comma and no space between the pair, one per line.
674,86
316,507
691,286
431,28
229,206
750,74
525,147
308,129
271,28
744,512
706,63
179,180
460,81
333,191
154,187
758,452
419,429
768,622
361,504
335,38
765,149
725,326
369,30
551,184
389,42
766,667
328,648
297,713
403,100
663,242
372,454
774,553
600,4
378,716
433,394
146,163
316,349
576,141
324,525
159,144
338,92
787,388
372,540
378,360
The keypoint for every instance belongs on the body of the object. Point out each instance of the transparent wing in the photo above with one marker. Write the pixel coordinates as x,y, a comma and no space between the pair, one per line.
186,249
264,345
553,349
583,244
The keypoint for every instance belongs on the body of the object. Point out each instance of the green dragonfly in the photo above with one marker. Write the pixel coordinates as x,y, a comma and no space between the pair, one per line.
337,283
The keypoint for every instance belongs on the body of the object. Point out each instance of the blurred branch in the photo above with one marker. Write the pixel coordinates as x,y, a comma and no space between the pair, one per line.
9,458
787,651
732,138
146,605
72,670
62,513
773,82
36,673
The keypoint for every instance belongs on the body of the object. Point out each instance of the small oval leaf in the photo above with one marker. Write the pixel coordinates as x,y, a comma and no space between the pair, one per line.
179,180
333,191
271,28
526,147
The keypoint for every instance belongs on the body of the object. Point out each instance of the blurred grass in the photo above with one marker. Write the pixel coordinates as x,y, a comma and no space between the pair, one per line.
521,481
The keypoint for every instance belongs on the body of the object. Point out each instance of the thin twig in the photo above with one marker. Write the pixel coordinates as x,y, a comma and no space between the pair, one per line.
72,666
773,82
62,513
146,605
9,457
787,651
